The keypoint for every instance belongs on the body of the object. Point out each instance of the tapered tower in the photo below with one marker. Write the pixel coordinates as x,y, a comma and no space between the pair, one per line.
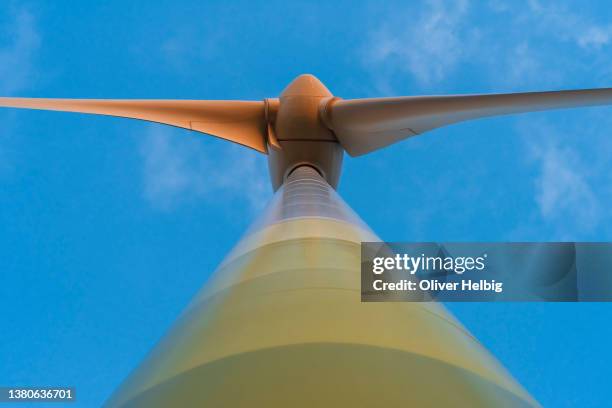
281,324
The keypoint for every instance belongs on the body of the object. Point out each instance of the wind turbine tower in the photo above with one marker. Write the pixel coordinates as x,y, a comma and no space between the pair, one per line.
281,324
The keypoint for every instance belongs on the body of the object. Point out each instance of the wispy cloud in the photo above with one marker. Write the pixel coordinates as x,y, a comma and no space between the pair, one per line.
178,169
571,185
510,44
551,31
562,189
427,49
595,37
556,19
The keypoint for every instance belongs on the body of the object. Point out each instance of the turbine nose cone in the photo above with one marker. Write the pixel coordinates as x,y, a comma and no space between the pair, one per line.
306,85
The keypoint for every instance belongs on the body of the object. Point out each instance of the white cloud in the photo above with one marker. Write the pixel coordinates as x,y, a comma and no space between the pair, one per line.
428,48
562,189
514,47
595,37
571,25
536,44
569,189
179,168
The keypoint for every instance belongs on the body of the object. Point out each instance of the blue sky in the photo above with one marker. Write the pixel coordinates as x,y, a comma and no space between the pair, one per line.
108,226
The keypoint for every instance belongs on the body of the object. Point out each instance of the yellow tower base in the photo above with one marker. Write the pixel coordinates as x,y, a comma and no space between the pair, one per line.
281,324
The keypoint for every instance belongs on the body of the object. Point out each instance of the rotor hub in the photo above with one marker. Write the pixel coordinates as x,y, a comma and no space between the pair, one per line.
298,133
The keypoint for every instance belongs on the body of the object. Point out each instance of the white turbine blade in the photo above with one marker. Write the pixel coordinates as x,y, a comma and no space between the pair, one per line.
241,122
365,125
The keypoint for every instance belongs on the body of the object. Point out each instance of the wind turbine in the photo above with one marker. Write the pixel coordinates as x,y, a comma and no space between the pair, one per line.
281,322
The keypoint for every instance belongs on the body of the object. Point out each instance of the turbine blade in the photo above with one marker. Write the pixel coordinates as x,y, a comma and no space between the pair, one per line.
365,125
242,122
